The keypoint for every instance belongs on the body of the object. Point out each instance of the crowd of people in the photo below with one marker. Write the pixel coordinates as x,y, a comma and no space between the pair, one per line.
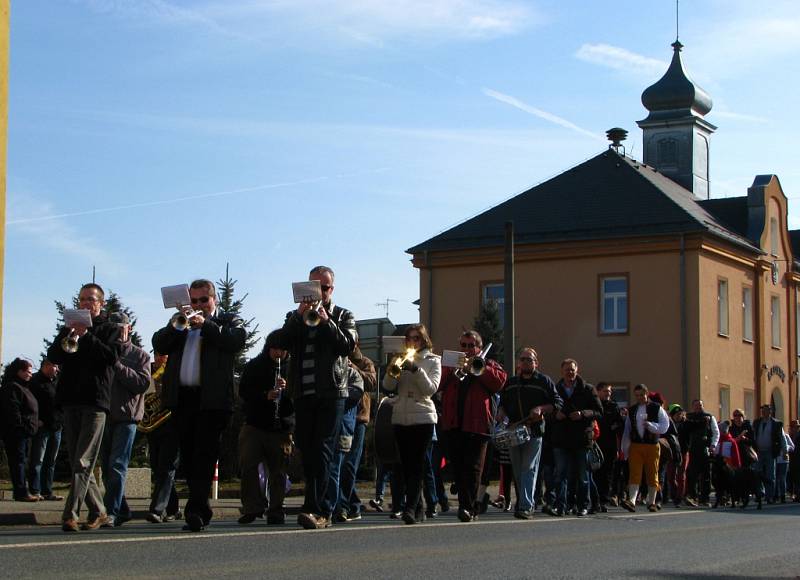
565,446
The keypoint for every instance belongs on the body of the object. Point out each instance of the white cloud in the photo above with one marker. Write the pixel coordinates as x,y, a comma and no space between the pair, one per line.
369,22
549,117
55,234
617,58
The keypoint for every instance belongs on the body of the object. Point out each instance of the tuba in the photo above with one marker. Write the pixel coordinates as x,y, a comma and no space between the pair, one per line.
154,414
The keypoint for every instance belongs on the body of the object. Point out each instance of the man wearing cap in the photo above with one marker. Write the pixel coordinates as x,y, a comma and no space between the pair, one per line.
198,389
84,393
131,381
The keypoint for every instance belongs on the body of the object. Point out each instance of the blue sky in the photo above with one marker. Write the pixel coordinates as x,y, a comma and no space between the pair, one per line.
160,139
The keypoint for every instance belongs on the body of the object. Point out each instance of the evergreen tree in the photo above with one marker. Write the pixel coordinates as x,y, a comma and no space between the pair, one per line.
488,325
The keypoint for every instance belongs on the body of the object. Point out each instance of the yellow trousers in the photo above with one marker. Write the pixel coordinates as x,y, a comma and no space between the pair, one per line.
643,455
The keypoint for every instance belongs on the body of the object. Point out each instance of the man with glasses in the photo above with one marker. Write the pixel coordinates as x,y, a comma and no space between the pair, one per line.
526,399
198,388
318,384
466,421
84,394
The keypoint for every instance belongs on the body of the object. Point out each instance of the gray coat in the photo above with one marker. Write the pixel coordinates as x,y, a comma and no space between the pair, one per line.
131,381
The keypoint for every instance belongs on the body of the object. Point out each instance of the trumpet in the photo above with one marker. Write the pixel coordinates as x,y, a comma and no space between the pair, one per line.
311,317
474,365
180,321
69,343
394,369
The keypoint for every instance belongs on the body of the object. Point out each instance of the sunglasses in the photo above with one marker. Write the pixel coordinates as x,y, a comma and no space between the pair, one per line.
325,288
467,345
203,299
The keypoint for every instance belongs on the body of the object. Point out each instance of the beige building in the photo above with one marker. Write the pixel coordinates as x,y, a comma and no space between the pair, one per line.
629,268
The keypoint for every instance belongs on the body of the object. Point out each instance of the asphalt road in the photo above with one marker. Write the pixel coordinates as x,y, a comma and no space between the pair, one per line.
684,543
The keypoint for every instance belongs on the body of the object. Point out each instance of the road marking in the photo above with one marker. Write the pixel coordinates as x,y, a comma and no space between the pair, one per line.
336,529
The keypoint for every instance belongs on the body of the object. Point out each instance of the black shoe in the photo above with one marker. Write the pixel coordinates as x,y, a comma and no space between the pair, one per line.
445,505
194,523
249,518
340,517
431,513
408,518
523,514
395,515
581,512
465,516
276,520
307,521
628,505
376,504
603,509
453,489
153,518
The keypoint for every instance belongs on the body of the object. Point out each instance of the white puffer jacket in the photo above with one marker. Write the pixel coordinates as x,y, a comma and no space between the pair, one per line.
413,404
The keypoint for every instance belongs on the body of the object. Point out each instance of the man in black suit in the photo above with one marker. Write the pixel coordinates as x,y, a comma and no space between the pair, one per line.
198,388
769,444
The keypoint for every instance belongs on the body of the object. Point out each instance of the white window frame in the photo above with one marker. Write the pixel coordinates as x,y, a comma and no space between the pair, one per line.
723,311
616,297
747,313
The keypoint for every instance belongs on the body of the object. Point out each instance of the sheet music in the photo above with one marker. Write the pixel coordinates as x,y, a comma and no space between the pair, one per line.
394,344
452,358
79,317
309,291
175,296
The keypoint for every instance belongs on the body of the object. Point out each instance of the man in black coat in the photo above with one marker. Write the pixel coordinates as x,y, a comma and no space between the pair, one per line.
47,440
84,393
318,385
612,424
198,388
769,444
572,438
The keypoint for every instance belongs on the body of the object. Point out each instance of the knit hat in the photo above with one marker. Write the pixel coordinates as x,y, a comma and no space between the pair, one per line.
675,408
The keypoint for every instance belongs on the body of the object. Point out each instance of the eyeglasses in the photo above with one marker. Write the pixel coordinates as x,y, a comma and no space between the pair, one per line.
467,345
325,288
203,299
526,359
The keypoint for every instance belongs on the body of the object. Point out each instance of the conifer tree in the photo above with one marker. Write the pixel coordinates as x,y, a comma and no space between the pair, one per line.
488,325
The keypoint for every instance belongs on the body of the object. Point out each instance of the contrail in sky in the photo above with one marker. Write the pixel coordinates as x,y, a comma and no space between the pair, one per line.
192,197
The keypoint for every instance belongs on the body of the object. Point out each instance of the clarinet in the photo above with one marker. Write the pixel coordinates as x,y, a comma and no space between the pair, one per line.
277,418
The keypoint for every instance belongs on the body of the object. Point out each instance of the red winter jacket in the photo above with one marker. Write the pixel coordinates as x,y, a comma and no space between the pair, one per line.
477,414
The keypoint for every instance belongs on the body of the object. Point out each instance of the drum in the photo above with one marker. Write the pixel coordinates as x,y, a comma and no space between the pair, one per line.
385,443
508,438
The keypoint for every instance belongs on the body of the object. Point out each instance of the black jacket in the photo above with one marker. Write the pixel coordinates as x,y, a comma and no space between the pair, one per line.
258,379
223,337
20,411
44,389
335,340
612,423
520,395
569,434
86,375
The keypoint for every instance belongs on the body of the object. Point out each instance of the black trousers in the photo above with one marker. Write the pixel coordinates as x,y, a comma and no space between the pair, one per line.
604,477
698,476
413,442
200,434
467,453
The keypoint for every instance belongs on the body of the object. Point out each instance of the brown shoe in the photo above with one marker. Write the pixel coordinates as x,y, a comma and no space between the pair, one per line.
95,523
628,505
27,498
70,525
652,507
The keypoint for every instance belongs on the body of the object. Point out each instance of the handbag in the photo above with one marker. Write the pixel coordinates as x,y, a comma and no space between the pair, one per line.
596,457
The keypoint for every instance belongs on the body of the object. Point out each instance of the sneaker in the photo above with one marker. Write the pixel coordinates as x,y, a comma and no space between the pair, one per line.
353,516
194,523
95,523
172,517
465,516
249,518
628,505
431,513
154,518
395,515
376,504
121,519
70,525
690,502
110,522
499,502
340,517
582,512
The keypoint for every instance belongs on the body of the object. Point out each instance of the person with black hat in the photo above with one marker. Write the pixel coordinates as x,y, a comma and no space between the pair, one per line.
47,441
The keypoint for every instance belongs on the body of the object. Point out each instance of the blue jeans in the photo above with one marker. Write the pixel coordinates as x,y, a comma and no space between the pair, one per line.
572,467
115,454
348,499
429,487
344,443
525,461
382,478
17,445
766,467
44,451
781,469
317,423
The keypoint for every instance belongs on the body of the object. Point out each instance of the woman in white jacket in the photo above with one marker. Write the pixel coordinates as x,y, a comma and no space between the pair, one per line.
414,414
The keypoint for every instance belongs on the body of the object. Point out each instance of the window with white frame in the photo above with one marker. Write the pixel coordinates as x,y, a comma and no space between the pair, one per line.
773,236
495,292
749,403
747,313
775,318
722,307
724,402
614,304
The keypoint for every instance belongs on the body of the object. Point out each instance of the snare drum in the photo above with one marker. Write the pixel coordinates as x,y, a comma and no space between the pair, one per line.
507,438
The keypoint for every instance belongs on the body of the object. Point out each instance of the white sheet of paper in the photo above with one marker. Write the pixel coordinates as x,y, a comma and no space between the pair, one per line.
393,344
80,316
175,296
451,358
309,291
